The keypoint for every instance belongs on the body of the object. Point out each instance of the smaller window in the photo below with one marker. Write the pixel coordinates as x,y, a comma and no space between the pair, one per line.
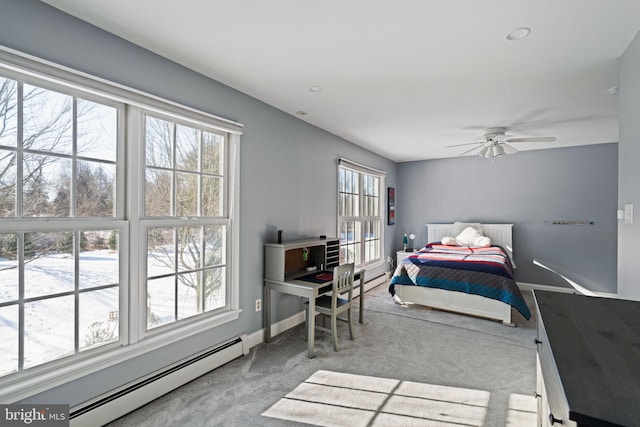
359,217
186,227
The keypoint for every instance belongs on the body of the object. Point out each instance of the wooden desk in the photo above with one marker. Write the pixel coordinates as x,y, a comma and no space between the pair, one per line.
308,290
588,354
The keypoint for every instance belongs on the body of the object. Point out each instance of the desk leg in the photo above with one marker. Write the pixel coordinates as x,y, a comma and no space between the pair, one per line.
361,297
311,327
267,312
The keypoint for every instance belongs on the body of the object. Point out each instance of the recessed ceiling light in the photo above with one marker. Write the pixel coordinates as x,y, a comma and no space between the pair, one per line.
518,33
315,89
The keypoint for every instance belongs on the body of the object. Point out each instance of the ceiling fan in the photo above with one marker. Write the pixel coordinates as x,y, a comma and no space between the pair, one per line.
497,143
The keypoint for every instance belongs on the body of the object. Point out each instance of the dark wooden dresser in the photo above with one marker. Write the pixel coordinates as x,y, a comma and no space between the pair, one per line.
588,360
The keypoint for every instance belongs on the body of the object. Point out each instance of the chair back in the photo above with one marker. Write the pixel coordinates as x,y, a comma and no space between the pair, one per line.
342,282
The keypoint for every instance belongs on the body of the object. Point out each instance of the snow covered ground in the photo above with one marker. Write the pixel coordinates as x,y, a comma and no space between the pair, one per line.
49,323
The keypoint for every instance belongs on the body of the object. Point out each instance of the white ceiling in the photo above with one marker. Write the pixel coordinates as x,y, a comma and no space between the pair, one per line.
402,78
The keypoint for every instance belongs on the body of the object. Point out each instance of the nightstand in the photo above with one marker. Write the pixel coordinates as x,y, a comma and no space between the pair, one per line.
400,255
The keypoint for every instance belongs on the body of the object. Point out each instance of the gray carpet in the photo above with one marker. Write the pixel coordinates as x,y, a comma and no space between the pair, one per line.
408,365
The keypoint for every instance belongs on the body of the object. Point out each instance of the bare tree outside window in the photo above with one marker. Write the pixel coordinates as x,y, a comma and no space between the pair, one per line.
359,221
184,178
8,138
47,174
47,177
62,166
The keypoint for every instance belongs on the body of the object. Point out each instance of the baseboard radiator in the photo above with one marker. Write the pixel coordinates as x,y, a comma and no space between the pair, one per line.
119,402
372,283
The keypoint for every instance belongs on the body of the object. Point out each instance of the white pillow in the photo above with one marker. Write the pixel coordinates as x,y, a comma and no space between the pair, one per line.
458,227
468,236
449,241
482,242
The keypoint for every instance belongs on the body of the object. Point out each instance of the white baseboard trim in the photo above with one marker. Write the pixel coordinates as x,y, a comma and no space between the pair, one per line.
276,328
285,324
118,402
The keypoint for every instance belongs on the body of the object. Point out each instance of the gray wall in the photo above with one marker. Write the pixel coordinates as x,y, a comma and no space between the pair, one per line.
629,172
526,189
288,181
288,168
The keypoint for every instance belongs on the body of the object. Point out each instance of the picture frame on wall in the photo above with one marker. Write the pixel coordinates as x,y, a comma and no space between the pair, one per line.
391,205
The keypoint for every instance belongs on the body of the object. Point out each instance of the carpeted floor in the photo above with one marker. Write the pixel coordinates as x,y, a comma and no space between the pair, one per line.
408,365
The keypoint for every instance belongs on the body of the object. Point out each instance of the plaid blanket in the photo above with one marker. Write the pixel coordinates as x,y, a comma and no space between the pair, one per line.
482,271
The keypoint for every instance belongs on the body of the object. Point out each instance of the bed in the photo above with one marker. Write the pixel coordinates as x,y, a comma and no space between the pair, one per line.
462,278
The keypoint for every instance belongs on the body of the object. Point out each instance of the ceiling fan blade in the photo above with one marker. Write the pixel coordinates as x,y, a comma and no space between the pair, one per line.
533,139
508,149
466,143
470,150
503,138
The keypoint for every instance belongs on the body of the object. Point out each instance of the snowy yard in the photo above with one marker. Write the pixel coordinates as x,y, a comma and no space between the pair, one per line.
49,326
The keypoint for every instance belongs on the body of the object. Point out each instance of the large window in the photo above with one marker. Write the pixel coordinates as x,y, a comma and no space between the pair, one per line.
359,213
97,258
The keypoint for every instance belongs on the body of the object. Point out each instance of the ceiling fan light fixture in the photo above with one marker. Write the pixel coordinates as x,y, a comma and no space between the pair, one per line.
497,143
518,34
497,150
484,152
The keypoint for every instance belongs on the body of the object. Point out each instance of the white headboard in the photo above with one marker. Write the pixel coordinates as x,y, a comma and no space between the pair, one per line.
500,234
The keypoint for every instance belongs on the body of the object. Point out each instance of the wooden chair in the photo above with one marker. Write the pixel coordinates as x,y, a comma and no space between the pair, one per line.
335,303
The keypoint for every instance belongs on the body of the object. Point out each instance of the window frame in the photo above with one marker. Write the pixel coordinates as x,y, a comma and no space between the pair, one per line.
138,115
360,218
22,223
133,341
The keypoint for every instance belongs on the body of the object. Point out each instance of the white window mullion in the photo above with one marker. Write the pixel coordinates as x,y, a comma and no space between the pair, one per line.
19,212
19,150
21,294
124,205
199,208
174,181
76,286
135,207
73,185
125,296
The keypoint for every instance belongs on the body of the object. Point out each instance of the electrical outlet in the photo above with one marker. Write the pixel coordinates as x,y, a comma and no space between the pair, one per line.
258,304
